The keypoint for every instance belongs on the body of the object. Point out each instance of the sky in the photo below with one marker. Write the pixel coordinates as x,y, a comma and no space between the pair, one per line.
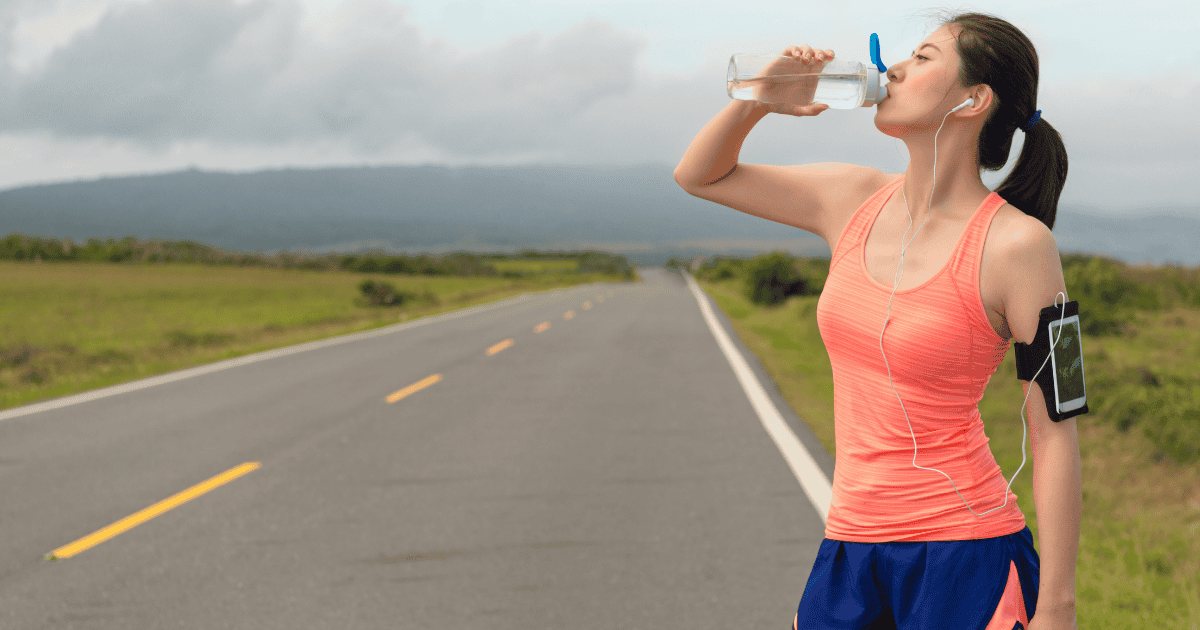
96,88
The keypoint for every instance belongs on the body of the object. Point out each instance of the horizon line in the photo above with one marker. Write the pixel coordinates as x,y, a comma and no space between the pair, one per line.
1167,209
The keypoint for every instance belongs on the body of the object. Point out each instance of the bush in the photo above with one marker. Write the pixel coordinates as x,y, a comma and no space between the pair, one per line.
1107,300
384,294
772,278
185,339
1162,404
18,355
719,269
601,262
380,294
794,276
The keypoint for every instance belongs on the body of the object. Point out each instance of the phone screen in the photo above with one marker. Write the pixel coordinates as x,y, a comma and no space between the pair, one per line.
1070,393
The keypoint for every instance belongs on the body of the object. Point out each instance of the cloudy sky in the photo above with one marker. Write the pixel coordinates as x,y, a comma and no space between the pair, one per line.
108,87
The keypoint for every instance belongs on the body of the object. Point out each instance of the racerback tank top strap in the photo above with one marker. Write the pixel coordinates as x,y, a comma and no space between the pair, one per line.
855,230
964,268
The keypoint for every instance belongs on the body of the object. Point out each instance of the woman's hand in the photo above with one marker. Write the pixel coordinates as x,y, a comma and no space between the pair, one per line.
780,96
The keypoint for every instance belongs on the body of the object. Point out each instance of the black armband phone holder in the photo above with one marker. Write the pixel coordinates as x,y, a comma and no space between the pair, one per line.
1031,356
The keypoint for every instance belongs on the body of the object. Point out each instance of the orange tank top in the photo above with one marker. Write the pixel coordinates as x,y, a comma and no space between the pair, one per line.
941,351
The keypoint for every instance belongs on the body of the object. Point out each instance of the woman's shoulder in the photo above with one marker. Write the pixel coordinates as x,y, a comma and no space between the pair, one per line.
1017,228
1021,241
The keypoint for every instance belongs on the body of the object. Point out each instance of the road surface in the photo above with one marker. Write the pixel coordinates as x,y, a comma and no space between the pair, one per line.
601,467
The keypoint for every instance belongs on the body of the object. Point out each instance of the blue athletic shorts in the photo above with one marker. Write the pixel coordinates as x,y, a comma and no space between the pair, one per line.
987,584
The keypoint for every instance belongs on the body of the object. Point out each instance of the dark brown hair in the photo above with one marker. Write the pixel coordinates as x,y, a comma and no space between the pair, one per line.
998,54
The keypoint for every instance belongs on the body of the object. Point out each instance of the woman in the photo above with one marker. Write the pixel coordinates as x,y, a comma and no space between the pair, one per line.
931,539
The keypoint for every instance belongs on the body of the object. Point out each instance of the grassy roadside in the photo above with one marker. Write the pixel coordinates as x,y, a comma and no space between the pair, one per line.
1138,561
76,326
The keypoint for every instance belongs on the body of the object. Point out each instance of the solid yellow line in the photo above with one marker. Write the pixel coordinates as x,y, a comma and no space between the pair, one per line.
415,387
133,520
500,346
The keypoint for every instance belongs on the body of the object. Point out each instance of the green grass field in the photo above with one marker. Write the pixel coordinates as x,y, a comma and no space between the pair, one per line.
535,266
75,326
71,327
1139,565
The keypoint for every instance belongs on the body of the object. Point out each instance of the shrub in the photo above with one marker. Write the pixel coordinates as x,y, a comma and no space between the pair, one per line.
772,278
18,355
602,262
379,293
384,294
368,265
1164,405
719,268
398,264
34,376
1106,298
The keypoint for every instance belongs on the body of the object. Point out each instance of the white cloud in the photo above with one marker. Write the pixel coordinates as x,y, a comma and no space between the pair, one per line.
43,27
250,73
236,84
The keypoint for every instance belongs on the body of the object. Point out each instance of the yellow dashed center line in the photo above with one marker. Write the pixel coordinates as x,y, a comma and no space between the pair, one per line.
133,520
500,346
415,387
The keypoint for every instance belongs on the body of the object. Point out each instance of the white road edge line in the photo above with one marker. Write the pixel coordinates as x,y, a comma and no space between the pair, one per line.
812,479
179,375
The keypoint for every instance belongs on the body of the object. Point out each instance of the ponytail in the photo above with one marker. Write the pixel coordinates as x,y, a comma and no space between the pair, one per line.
998,54
1037,179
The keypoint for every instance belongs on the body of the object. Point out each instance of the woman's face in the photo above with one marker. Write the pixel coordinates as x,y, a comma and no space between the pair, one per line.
922,88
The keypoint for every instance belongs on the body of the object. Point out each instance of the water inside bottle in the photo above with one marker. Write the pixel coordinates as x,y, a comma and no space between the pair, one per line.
838,91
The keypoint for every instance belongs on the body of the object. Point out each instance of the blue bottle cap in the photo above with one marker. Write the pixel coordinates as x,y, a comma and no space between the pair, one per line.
875,54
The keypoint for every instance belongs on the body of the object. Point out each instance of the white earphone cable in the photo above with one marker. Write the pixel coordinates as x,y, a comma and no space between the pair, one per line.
900,271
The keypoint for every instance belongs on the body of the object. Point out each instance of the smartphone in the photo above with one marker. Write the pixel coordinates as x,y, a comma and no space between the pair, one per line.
1070,391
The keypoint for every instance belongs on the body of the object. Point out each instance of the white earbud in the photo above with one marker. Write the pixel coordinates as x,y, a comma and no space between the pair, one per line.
965,103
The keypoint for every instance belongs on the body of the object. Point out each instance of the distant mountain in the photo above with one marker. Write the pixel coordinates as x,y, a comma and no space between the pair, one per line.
638,211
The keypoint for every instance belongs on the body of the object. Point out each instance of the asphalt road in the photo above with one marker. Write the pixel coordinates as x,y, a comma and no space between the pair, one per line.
608,472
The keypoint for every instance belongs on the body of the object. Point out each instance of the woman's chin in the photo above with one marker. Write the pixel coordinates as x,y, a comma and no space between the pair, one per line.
895,125
887,127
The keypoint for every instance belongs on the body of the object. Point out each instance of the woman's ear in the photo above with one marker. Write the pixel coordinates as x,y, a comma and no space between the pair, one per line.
983,96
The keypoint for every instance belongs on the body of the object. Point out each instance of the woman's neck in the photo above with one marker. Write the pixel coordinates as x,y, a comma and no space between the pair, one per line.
958,185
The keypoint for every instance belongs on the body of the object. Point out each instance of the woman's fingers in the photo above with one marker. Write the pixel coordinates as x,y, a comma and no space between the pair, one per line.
803,90
807,53
811,109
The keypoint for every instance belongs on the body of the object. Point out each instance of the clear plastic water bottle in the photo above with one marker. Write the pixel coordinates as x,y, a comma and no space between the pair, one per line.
773,78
